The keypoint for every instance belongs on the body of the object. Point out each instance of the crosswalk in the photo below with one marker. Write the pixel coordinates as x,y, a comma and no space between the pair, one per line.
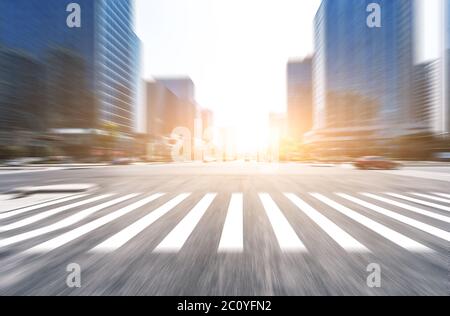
232,239
414,221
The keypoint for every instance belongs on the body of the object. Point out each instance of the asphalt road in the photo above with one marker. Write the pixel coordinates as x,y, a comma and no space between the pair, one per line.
227,229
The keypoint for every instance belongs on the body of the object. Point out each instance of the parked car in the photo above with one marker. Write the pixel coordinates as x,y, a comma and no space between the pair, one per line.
375,162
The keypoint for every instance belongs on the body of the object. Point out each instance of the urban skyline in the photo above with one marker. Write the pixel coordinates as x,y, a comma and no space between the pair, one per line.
197,179
373,96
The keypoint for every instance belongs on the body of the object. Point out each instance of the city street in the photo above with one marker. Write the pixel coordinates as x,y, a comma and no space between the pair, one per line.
235,228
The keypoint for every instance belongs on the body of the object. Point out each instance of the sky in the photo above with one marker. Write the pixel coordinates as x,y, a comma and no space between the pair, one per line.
234,50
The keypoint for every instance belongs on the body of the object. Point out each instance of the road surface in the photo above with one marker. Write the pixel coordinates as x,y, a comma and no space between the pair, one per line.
239,228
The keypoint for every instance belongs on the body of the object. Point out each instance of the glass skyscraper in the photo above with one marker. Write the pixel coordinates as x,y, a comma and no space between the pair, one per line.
446,114
299,92
363,77
90,74
117,62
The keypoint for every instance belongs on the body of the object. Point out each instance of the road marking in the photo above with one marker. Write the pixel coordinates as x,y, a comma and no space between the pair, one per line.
14,203
82,230
46,214
63,223
121,238
403,219
232,239
175,240
431,197
419,174
10,172
285,234
38,206
443,194
409,207
344,239
407,198
6,197
382,230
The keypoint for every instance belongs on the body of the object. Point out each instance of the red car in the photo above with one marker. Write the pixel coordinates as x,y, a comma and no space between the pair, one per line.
375,162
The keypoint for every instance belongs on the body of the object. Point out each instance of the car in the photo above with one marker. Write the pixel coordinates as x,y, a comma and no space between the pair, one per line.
376,162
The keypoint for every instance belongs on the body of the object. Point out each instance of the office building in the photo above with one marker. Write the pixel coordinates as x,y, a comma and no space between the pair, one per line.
299,111
167,110
426,96
444,124
91,73
363,76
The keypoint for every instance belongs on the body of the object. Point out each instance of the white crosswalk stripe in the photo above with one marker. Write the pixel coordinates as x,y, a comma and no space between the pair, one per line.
178,236
382,230
232,232
46,214
346,241
71,220
431,197
443,194
285,234
232,239
118,240
417,201
89,227
409,207
406,220
6,197
38,206
13,202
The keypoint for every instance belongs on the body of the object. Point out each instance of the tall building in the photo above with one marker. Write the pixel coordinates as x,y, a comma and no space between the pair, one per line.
117,60
21,92
445,123
167,110
299,83
363,76
427,101
91,73
182,87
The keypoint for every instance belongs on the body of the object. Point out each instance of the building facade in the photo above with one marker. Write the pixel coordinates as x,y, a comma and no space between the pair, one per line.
427,95
90,73
21,92
299,83
363,76
182,87
170,108
445,123
117,60
167,110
